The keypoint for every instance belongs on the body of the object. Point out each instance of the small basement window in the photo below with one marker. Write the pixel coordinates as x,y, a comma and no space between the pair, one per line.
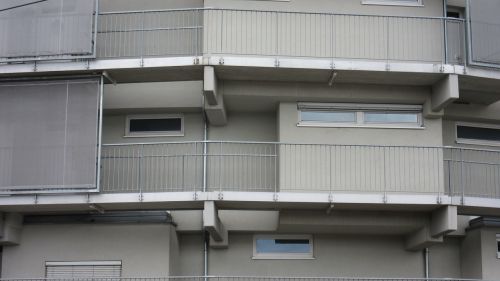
283,247
83,269
481,134
360,115
154,125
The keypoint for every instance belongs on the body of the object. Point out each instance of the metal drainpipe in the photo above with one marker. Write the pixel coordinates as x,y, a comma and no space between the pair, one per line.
426,265
205,236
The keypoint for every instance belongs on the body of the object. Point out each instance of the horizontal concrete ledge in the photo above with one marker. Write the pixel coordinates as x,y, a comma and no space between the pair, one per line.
247,200
244,61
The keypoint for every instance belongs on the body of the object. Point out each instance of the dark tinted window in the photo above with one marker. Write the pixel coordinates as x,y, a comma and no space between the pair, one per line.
478,133
155,125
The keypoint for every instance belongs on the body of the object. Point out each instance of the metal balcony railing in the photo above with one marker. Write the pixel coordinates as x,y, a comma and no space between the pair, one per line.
193,32
280,167
239,278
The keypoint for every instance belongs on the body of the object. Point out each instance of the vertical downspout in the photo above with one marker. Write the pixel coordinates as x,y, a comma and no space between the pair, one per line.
426,263
205,236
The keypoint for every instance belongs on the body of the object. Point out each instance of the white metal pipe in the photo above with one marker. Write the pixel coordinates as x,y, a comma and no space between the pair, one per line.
426,263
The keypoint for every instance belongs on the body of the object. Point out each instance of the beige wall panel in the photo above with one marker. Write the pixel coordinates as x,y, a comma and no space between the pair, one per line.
490,260
445,259
246,127
471,255
375,256
191,255
144,250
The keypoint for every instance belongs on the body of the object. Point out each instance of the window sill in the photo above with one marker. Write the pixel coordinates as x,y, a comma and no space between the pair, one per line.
478,142
153,135
282,257
319,125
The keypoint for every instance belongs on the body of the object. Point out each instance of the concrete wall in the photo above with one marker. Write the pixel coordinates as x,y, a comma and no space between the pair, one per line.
490,261
246,126
334,255
445,259
375,256
145,250
471,258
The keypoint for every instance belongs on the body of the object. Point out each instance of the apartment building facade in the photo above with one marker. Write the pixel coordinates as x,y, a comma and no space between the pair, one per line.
250,139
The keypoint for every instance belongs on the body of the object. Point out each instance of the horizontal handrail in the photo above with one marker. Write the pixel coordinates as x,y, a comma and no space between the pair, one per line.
257,278
274,11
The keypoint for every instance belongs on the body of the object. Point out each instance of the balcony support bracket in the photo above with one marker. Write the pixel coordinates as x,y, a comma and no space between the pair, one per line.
213,225
444,92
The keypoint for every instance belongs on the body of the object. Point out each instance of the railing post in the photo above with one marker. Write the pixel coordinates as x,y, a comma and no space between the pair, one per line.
462,181
139,176
276,173
387,39
142,38
220,171
385,176
445,26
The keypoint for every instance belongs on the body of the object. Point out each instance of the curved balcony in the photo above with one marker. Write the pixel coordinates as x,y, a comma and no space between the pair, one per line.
266,167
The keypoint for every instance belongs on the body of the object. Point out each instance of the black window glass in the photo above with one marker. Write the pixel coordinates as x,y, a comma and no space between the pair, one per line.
155,125
478,133
498,246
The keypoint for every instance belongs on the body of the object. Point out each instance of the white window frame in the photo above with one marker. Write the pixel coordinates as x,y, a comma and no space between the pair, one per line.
417,3
283,256
156,133
360,110
474,141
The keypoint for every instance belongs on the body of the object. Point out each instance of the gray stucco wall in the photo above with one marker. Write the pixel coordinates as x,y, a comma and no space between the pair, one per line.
490,261
374,256
145,250
471,258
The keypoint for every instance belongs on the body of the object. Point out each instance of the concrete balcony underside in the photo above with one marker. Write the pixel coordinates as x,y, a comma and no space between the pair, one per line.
247,200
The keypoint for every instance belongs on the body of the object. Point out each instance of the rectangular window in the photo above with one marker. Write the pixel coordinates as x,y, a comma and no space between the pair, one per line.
328,116
481,134
498,246
394,2
283,247
83,269
360,115
154,125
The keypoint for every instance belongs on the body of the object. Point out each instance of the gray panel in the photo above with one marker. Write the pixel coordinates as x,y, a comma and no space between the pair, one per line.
50,28
48,135
485,31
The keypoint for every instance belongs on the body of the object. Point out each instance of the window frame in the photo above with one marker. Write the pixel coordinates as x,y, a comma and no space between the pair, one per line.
498,245
418,3
476,141
360,110
283,256
130,117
